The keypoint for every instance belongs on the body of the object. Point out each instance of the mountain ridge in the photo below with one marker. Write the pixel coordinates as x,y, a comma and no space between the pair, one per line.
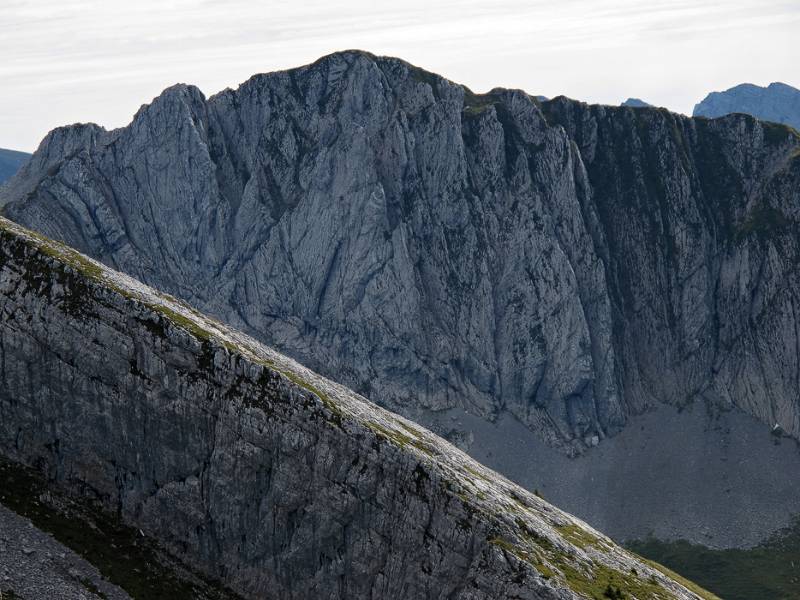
566,264
192,101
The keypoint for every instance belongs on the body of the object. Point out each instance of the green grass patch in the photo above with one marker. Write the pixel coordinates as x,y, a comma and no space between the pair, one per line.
534,555
689,585
324,398
600,582
190,325
475,473
769,570
399,438
579,536
590,580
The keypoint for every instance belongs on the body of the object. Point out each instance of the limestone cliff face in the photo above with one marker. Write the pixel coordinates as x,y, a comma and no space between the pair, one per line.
431,248
776,102
257,471
699,221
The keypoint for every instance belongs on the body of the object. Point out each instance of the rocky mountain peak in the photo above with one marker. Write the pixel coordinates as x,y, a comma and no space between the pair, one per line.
561,266
358,178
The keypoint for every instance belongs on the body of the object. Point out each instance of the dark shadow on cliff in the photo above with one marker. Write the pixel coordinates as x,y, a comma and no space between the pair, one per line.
119,552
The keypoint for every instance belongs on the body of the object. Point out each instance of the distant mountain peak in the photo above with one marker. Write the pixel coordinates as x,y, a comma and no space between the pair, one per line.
10,162
776,102
636,103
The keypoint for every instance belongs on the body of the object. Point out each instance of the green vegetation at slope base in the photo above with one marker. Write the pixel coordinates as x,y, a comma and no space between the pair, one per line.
595,581
770,570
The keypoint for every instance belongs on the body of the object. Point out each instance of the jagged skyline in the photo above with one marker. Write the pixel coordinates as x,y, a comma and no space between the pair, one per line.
86,60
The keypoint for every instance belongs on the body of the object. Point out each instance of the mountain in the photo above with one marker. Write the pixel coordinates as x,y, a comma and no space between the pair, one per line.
635,103
777,102
256,471
10,162
596,301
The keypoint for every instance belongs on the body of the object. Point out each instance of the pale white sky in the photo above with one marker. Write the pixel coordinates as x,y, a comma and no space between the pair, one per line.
67,61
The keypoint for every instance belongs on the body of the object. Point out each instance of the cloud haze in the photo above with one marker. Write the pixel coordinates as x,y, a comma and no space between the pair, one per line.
98,60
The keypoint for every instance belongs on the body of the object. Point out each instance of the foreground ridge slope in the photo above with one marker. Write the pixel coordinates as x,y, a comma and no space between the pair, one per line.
256,470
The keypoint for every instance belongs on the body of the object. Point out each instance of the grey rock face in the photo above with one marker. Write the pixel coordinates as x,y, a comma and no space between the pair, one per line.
777,102
10,162
259,472
357,215
699,219
568,264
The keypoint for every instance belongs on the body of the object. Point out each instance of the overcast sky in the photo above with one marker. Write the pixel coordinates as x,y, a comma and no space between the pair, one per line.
67,61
